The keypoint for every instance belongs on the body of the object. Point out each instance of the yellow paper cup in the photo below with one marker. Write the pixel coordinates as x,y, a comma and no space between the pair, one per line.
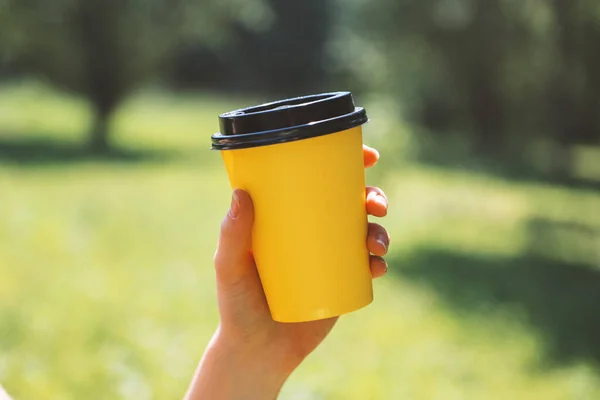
301,161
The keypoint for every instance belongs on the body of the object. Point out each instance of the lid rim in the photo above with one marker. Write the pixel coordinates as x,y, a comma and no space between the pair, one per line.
286,113
289,134
322,97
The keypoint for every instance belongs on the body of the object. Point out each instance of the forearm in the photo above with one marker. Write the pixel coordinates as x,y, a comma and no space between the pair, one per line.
3,394
227,372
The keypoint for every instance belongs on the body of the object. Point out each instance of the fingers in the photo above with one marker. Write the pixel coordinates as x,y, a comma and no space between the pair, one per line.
370,156
233,256
377,203
378,240
378,266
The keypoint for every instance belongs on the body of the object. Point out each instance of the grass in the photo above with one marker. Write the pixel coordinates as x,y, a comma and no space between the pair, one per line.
106,283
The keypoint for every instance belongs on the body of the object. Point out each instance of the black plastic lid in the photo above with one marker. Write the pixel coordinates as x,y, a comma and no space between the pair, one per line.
288,120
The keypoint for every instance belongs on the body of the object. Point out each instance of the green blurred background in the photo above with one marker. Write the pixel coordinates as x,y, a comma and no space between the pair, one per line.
486,113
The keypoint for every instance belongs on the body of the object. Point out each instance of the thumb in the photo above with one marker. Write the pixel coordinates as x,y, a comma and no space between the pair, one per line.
233,258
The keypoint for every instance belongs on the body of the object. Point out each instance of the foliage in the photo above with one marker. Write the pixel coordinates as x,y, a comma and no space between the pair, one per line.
502,73
104,49
107,288
282,52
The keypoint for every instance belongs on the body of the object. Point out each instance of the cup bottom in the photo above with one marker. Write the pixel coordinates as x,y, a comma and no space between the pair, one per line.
316,314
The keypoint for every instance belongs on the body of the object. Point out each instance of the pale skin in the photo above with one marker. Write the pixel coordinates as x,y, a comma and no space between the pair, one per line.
250,356
3,394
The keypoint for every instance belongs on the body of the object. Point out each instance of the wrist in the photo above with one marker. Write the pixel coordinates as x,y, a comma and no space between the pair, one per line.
268,357
232,371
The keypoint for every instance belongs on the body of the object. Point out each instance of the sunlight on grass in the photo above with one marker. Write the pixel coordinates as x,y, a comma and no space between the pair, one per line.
106,286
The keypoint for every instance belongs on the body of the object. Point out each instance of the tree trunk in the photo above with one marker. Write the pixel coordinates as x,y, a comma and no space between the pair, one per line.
99,135
564,97
561,164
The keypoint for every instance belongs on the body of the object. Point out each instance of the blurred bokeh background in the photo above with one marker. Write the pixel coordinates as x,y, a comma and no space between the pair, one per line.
486,113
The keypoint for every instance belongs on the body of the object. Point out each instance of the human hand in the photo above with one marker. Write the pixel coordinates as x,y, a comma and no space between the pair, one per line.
3,394
248,340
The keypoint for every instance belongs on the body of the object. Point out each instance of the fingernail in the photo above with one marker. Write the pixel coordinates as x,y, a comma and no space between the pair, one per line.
382,240
383,262
380,199
376,152
234,209
372,196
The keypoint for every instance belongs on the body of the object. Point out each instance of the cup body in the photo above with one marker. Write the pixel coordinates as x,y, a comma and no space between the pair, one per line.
310,228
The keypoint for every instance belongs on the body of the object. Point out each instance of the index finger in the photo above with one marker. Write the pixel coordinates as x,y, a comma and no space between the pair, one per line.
370,156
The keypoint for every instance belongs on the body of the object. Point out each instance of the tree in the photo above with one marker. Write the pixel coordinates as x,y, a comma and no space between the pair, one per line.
502,75
287,58
105,49
280,52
